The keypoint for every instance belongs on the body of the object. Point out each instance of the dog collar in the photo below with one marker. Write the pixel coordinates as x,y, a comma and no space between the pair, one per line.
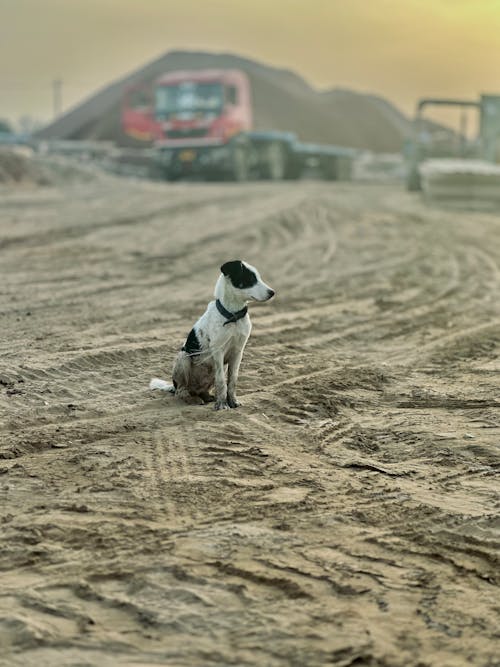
230,317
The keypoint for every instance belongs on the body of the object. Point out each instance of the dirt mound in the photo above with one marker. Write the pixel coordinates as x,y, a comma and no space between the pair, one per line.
17,167
282,100
21,167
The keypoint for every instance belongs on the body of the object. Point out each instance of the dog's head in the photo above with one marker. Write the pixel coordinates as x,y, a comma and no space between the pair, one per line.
246,279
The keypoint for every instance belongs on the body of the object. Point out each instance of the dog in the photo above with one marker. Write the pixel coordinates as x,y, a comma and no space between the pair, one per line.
216,342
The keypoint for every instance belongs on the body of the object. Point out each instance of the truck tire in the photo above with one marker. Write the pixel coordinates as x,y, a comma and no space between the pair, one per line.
413,183
275,164
157,172
329,168
169,175
293,167
240,167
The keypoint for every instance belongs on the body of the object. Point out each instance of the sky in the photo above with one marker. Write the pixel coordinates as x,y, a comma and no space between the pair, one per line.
400,49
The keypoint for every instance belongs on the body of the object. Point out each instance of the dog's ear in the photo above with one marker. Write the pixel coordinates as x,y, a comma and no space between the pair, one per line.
233,270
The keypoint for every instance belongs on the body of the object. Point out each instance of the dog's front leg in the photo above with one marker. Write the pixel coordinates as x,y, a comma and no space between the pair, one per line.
232,378
220,382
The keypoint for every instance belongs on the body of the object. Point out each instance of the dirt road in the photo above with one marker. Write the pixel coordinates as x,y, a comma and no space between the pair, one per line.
346,514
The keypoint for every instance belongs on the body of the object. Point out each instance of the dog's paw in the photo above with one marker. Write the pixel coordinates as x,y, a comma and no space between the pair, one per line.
233,403
193,400
221,405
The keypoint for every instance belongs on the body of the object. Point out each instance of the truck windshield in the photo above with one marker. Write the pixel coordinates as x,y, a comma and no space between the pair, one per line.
187,97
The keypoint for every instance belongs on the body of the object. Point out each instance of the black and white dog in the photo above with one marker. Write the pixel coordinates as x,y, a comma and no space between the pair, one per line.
217,340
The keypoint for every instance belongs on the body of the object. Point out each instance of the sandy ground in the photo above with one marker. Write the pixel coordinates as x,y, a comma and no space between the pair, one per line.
346,514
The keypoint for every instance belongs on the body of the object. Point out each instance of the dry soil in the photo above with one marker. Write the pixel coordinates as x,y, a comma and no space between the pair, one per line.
346,514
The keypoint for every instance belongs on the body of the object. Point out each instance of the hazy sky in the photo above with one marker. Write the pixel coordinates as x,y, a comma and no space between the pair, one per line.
402,49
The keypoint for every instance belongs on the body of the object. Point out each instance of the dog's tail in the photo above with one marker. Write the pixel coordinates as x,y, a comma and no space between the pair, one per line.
161,384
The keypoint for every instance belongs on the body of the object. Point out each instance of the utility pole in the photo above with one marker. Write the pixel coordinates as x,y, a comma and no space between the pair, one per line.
57,97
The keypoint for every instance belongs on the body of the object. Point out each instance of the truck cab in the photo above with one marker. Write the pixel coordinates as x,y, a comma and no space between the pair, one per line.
190,117
206,107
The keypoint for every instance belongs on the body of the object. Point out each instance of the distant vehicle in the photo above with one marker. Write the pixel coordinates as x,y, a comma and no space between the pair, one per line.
9,137
200,122
5,128
425,145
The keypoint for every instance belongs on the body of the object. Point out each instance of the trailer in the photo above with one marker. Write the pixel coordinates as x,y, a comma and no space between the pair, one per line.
200,123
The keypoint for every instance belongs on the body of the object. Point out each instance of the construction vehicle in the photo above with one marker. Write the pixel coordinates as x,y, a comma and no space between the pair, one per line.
430,143
200,123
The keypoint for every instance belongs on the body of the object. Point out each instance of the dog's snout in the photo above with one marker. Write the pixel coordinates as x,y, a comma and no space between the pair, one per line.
270,293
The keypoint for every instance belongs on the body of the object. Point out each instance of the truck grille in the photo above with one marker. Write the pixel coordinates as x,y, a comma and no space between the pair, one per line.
187,133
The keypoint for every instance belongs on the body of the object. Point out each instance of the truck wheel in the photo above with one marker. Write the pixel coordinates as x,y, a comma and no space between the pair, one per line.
329,168
293,168
413,183
170,176
240,166
275,162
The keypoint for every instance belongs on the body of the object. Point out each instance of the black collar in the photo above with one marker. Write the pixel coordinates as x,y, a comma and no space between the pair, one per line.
230,317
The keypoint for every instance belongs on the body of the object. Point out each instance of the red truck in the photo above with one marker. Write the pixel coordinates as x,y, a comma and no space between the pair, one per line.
200,123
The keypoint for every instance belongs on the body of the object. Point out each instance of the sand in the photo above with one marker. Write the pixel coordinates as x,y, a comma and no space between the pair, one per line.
346,514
